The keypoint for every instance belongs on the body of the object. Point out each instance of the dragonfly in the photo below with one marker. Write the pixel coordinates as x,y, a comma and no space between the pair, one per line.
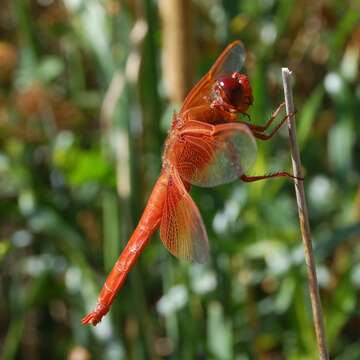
207,145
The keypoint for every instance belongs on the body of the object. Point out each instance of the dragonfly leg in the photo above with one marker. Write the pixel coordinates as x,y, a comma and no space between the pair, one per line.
262,177
262,128
260,134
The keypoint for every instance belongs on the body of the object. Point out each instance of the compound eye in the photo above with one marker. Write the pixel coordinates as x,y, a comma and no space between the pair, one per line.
228,83
233,90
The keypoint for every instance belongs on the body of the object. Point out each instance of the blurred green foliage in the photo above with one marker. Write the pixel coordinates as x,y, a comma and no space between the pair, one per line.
74,180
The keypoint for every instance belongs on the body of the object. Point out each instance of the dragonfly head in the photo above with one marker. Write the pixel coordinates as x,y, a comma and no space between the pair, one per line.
235,92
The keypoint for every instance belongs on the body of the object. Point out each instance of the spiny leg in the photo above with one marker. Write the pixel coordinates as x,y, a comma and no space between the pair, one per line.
262,128
260,135
262,177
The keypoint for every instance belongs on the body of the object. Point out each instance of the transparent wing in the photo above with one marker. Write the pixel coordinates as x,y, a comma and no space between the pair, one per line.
218,159
182,230
232,59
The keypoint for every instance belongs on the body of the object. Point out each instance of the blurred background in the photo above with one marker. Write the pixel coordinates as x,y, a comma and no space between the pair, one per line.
87,91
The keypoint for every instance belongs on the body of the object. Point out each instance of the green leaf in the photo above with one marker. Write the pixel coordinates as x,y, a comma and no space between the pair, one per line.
219,333
50,68
308,115
341,140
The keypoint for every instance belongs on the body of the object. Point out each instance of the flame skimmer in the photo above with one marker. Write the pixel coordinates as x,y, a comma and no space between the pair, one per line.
207,146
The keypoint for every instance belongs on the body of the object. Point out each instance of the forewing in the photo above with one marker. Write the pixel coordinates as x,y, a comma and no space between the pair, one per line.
231,60
182,230
213,160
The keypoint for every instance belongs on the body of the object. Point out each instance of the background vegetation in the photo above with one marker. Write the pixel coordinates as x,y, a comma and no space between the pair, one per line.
86,97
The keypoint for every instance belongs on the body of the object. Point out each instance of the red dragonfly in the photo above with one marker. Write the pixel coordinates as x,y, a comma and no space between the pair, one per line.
207,146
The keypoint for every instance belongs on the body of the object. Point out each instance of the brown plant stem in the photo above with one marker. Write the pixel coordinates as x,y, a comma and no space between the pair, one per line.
304,220
178,44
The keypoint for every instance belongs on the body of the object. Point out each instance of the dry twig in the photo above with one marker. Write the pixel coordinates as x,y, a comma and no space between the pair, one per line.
304,220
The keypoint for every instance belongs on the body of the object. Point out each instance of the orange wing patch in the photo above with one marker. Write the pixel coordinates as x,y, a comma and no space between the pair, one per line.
211,160
182,230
